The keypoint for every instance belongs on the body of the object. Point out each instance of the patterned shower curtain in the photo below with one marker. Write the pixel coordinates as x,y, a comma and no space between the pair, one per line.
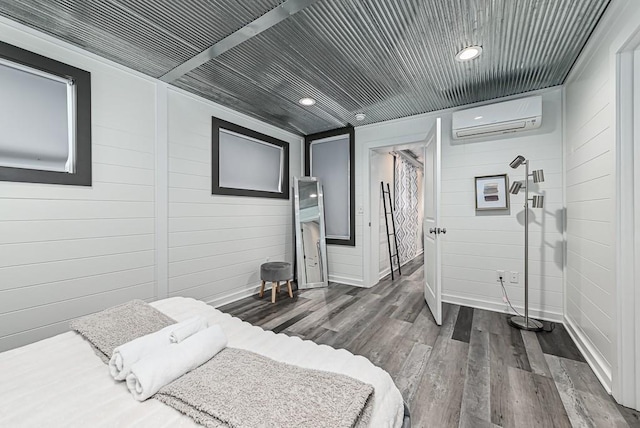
406,208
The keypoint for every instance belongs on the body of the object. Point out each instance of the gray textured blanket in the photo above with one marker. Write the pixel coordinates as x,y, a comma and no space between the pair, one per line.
239,388
115,326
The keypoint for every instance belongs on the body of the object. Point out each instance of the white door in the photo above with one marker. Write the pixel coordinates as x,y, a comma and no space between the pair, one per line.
432,274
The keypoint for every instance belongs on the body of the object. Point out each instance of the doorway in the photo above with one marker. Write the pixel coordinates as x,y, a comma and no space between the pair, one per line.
429,137
401,168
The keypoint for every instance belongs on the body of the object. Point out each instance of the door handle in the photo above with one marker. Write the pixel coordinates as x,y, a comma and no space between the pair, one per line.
432,230
443,230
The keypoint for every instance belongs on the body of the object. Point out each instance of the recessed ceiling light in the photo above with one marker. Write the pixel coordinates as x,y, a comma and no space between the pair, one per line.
469,53
306,101
360,117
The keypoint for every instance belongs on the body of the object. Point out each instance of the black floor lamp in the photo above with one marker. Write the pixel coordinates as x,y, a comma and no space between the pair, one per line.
524,322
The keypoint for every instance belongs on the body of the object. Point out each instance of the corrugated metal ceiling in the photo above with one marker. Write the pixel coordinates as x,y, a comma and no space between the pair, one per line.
386,58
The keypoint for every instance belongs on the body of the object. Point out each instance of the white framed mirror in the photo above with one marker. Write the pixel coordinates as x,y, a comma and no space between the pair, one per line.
311,247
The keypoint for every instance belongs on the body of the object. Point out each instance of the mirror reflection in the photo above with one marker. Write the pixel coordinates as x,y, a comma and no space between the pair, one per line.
310,233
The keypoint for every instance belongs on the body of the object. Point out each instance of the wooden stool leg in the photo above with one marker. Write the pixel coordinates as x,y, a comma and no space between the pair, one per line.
290,290
274,289
262,289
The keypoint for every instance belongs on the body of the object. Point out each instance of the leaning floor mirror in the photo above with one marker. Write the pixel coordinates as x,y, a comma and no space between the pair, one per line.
311,248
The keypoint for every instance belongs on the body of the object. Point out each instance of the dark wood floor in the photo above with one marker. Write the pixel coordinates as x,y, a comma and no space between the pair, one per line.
473,371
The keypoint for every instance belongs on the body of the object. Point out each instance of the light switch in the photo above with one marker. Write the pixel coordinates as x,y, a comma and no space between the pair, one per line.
515,277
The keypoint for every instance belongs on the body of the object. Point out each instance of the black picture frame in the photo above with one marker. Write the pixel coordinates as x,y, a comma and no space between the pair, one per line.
82,81
216,189
347,130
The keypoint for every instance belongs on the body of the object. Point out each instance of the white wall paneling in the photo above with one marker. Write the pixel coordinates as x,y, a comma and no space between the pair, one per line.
148,227
66,251
598,310
478,244
217,243
162,194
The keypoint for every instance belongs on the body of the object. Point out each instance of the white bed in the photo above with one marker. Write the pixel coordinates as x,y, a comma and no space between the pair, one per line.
60,382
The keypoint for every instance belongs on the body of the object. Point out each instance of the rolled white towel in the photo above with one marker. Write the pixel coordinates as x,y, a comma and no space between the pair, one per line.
187,328
124,356
154,371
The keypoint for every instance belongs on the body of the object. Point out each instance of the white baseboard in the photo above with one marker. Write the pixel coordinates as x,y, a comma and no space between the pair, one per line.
500,307
252,290
356,282
384,273
594,358
233,297
387,270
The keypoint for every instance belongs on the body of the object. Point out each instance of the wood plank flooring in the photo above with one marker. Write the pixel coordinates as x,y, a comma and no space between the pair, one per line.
473,371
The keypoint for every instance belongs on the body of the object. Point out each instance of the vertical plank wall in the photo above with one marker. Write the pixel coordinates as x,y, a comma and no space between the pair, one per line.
590,144
217,243
66,251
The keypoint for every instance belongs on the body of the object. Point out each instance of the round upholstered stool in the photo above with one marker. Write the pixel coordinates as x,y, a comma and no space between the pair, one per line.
275,272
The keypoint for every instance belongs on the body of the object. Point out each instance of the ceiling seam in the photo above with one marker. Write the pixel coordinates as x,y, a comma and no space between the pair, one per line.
255,27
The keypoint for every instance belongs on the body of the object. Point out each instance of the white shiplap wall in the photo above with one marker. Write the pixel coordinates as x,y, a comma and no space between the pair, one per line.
217,243
479,243
590,147
476,245
66,251
344,263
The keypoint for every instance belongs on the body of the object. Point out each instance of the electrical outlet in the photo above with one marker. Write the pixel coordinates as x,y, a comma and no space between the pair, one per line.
500,274
515,277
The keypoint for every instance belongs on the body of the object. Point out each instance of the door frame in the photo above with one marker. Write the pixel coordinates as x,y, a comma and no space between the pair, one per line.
371,220
626,376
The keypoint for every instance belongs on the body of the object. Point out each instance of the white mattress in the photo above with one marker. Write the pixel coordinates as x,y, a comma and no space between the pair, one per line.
60,382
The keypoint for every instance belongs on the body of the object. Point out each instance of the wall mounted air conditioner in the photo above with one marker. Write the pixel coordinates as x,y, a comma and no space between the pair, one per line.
522,114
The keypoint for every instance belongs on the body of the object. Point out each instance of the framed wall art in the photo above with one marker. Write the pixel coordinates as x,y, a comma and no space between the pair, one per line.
491,192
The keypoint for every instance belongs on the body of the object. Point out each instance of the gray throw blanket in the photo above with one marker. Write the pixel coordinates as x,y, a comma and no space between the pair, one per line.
115,326
239,388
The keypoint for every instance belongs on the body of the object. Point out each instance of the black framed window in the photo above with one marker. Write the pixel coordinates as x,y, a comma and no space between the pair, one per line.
248,163
330,156
45,118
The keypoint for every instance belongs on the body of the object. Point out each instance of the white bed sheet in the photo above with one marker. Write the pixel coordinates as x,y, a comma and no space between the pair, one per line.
60,382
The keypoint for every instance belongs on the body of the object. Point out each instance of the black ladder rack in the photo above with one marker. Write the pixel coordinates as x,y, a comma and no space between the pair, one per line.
393,224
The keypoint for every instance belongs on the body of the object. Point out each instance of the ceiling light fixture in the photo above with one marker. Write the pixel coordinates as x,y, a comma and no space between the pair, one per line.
469,53
360,117
307,101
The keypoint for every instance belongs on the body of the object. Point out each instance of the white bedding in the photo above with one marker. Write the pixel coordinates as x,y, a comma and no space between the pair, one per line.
60,382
